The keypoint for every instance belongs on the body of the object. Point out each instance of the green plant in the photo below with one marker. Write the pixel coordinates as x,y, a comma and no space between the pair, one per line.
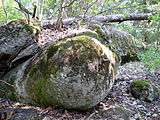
151,56
12,13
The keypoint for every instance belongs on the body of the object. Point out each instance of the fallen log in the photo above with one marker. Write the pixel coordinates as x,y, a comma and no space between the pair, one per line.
101,18
122,17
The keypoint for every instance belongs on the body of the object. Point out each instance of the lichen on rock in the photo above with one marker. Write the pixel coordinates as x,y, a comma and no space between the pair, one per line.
87,32
32,25
113,113
15,37
144,90
76,73
122,42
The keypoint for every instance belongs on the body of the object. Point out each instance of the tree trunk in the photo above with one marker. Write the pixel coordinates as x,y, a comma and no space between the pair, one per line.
59,22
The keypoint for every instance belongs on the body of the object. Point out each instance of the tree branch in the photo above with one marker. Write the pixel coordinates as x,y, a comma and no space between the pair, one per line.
3,81
22,7
24,10
119,8
89,8
59,22
69,4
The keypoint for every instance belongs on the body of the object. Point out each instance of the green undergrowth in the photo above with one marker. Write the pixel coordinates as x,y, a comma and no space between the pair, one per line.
151,57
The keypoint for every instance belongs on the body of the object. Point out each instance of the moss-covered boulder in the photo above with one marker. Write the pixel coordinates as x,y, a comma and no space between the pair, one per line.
76,73
122,42
16,41
144,90
113,113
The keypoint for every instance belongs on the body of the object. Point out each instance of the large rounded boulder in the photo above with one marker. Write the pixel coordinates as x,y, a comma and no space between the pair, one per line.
76,73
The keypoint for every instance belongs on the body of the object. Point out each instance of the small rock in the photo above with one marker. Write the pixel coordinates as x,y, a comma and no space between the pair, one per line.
137,116
46,118
144,90
112,114
155,115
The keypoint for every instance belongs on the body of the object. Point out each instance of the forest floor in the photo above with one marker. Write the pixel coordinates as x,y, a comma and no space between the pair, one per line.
119,96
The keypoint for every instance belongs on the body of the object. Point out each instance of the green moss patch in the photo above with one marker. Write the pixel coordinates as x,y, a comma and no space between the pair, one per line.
32,26
88,33
113,113
140,83
144,90
59,75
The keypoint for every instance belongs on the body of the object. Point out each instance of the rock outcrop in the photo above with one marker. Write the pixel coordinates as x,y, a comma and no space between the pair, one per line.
17,43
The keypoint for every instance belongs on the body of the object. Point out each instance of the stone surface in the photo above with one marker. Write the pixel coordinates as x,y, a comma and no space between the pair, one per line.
19,114
76,73
16,37
144,90
122,42
115,113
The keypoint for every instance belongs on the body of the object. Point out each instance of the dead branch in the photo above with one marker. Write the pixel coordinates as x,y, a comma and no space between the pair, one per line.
6,83
89,8
102,18
34,11
69,4
24,10
122,17
119,8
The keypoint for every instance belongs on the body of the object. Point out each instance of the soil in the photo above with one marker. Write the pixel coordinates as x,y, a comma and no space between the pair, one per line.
119,96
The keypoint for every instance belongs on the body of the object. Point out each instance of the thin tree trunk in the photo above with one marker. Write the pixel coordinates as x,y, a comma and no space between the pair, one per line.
41,9
3,6
59,22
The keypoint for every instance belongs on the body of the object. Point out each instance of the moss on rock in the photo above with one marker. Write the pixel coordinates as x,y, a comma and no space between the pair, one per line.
115,113
75,73
144,90
17,42
70,73
33,26
122,42
87,32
